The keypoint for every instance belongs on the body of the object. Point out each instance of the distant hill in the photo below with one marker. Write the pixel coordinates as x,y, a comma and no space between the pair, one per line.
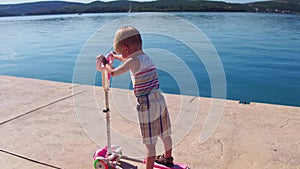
289,1
33,8
60,7
278,6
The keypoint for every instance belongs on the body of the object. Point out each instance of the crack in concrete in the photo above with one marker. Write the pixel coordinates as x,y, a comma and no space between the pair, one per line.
51,103
286,123
193,99
222,147
29,159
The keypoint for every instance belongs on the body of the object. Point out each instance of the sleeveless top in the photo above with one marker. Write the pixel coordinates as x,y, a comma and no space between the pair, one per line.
145,80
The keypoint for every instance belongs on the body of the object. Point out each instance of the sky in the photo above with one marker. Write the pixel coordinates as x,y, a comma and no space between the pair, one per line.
87,1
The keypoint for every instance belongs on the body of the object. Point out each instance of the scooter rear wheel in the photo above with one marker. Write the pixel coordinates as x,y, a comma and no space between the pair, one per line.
99,164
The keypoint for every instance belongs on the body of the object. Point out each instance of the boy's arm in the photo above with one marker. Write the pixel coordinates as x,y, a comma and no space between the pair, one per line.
129,64
119,57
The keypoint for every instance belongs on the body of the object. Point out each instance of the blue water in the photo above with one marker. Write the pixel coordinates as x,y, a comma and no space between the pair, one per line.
260,52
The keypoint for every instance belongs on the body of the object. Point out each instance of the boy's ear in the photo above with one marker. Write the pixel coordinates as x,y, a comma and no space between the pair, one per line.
126,48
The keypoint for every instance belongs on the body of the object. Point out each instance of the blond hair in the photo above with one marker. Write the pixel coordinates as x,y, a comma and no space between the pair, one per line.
129,36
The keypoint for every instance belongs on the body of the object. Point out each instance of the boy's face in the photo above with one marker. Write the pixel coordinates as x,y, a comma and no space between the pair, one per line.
123,50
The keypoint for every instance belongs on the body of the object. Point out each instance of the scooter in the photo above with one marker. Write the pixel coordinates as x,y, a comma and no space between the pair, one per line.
109,156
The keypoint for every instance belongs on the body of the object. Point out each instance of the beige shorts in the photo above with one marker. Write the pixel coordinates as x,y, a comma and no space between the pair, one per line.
153,117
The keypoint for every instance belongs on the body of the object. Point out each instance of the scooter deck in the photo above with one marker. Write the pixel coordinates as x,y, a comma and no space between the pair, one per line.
175,166
157,165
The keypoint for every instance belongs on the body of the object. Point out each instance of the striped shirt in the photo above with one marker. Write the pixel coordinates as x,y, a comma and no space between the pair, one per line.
145,79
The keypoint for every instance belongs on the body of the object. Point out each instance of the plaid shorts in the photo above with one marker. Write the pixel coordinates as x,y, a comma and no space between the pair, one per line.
153,117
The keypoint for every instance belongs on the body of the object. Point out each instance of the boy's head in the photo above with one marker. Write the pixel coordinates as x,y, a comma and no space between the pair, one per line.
127,40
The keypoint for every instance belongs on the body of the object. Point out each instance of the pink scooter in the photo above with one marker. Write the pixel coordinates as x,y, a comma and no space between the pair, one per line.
110,155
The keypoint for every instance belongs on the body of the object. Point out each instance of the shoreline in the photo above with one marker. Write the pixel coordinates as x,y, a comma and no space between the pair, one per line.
98,13
54,7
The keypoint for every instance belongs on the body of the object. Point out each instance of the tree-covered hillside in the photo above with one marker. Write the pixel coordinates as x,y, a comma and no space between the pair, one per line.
59,7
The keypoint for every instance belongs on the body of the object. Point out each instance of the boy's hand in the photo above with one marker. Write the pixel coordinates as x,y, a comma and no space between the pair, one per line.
110,57
119,57
101,62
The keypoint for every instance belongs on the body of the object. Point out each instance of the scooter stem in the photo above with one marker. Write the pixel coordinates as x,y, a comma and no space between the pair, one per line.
105,85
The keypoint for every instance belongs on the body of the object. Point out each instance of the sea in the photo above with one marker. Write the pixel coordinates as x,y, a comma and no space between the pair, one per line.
249,57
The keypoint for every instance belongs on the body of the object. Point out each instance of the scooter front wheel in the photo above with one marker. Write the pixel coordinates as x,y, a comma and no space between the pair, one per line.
99,164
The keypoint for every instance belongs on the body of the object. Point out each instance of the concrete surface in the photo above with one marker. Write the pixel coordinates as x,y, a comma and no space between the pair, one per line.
45,124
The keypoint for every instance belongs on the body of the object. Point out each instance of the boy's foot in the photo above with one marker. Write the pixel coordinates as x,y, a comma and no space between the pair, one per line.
164,161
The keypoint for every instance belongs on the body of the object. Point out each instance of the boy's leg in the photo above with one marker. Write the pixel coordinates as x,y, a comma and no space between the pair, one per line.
151,153
166,159
167,141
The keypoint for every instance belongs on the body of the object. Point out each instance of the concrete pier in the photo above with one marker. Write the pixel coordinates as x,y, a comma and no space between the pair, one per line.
45,124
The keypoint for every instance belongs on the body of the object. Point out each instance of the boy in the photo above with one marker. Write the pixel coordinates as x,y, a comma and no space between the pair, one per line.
151,106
